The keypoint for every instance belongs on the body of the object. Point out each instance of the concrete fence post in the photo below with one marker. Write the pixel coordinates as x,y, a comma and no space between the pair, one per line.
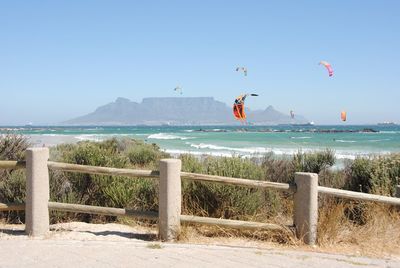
170,198
306,206
37,192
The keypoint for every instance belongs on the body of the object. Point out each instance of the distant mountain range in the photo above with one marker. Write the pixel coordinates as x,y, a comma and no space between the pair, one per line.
178,111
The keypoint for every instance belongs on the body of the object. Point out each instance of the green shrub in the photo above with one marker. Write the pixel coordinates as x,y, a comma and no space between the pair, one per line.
377,175
144,155
233,167
313,162
278,169
218,200
332,178
12,182
13,146
100,190
191,163
13,187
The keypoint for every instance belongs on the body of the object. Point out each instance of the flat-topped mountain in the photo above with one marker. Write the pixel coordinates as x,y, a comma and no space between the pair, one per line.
177,111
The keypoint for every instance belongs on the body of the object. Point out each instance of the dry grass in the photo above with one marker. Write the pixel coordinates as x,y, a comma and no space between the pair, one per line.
214,235
359,228
351,228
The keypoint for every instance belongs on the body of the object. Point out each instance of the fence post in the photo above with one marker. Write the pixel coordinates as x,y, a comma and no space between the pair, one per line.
306,206
37,192
170,199
398,191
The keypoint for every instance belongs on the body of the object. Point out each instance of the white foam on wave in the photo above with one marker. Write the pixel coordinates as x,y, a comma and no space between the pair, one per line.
301,138
89,137
94,129
98,137
346,156
356,154
389,131
278,152
212,149
378,140
346,141
52,135
164,136
251,150
179,152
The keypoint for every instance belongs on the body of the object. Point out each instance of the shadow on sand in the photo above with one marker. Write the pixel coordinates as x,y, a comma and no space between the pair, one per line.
144,237
12,232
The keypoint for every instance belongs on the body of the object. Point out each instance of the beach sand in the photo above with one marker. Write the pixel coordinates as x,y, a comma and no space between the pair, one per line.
78,244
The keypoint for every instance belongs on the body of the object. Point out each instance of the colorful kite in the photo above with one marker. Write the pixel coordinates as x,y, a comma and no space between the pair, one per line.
178,89
243,69
238,107
327,66
343,116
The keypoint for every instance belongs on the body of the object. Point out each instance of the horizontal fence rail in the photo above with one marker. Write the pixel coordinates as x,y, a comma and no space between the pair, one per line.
150,215
359,196
12,206
238,181
12,164
233,223
103,170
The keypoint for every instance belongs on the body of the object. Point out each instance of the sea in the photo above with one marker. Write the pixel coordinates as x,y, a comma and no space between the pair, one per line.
347,141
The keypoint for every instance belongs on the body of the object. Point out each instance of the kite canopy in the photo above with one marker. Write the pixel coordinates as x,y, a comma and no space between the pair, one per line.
238,106
343,116
178,89
291,114
242,69
327,66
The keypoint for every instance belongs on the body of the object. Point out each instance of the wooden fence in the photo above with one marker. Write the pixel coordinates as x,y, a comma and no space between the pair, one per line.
37,205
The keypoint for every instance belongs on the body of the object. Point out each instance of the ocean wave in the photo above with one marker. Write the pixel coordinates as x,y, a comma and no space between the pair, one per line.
378,140
164,136
301,138
89,137
355,154
252,150
340,155
389,132
346,141
99,137
52,135
345,156
179,152
94,129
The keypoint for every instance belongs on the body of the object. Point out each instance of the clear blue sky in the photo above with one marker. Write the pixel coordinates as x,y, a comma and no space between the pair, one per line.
62,59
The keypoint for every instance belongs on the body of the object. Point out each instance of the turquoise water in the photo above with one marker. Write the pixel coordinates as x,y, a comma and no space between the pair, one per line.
232,140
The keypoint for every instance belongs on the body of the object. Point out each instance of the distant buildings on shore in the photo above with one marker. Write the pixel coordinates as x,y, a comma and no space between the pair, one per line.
386,123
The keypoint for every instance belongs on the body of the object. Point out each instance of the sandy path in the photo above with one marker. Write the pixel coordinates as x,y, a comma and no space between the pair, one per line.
115,245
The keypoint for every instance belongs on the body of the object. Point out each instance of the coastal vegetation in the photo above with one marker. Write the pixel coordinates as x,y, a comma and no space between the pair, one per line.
339,221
